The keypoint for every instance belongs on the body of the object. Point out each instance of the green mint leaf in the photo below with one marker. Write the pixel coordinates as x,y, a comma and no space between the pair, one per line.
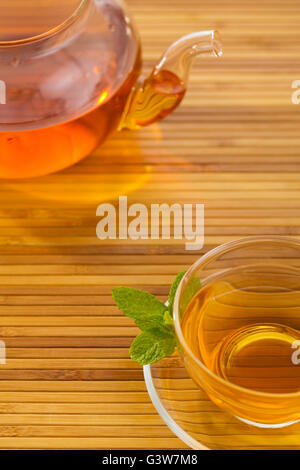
173,290
168,319
193,286
152,346
142,307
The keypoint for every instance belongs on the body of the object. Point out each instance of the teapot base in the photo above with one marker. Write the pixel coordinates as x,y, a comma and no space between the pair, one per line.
35,153
38,152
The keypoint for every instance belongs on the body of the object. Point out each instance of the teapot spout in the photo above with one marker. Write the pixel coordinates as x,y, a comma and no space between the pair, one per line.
155,97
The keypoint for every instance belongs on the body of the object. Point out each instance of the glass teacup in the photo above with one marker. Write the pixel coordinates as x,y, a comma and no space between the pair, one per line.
240,330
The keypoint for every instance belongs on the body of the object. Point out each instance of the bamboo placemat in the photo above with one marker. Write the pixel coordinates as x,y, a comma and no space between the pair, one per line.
234,145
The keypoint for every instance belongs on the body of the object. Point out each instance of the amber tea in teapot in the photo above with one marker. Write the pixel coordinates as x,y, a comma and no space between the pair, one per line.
69,77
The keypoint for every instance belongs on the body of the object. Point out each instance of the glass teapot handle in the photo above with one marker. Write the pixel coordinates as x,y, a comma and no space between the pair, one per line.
155,97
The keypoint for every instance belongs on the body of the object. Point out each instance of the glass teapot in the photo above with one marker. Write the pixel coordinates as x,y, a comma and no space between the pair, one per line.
70,75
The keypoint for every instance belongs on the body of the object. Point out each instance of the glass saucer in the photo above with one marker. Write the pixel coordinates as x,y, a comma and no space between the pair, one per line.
198,422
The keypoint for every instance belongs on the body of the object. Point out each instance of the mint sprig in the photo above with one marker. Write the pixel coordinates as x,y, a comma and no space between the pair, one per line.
157,339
